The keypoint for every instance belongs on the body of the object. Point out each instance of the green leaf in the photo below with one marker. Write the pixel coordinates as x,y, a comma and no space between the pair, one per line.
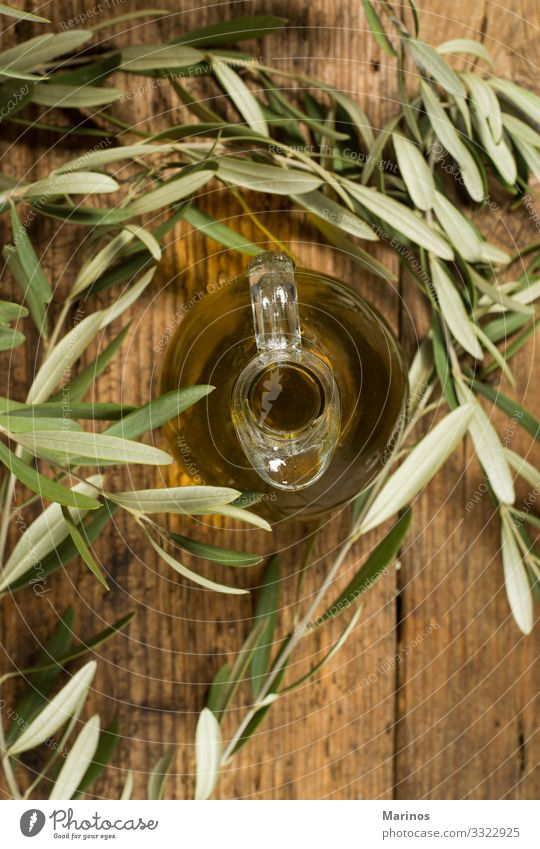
499,152
460,232
56,409
382,556
377,28
328,656
30,265
266,178
449,138
233,512
158,777
36,305
225,556
22,15
486,102
442,362
244,100
516,580
176,499
100,158
218,689
266,611
520,97
520,130
41,682
329,210
431,61
512,408
364,259
147,239
30,54
64,705
401,218
83,549
207,754
156,413
78,760
150,57
218,231
94,447
466,45
415,172
87,216
43,486
193,576
418,468
100,261
171,192
11,312
234,30
10,338
76,183
496,294
73,96
78,387
453,309
488,447
42,536
108,741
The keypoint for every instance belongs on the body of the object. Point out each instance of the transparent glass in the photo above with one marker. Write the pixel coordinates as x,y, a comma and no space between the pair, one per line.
310,389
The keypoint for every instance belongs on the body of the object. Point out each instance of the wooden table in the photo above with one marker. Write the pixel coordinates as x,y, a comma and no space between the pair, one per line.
405,710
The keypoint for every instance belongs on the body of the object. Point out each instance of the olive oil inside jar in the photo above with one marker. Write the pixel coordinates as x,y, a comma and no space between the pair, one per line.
214,343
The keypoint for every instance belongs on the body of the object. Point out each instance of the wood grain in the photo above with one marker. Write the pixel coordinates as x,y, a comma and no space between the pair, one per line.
445,714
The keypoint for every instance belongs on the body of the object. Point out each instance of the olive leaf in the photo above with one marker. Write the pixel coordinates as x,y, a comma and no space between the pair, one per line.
177,499
207,754
266,178
415,172
193,576
77,761
170,193
157,778
150,57
418,468
57,712
453,309
85,448
22,15
466,45
73,96
241,96
516,580
431,61
329,210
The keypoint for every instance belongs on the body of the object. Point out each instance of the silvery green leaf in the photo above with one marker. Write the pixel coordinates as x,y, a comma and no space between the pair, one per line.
522,98
99,263
62,357
227,32
22,15
218,231
148,240
497,295
523,468
43,48
359,118
84,446
75,183
530,155
127,789
107,316
516,581
170,193
520,130
363,258
486,102
10,338
266,178
37,281
77,761
234,512
193,576
329,210
175,499
158,777
431,61
497,355
241,96
43,535
150,57
453,309
73,96
419,373
488,447
466,45
401,218
499,152
57,712
377,28
415,172
449,138
207,754
460,232
36,304
418,468
99,158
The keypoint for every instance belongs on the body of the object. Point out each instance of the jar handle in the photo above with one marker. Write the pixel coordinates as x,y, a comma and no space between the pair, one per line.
274,302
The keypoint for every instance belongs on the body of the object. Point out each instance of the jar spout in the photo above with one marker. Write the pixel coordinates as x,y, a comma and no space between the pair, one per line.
286,406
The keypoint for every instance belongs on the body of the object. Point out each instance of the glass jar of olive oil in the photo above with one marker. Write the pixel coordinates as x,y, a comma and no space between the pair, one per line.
310,389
